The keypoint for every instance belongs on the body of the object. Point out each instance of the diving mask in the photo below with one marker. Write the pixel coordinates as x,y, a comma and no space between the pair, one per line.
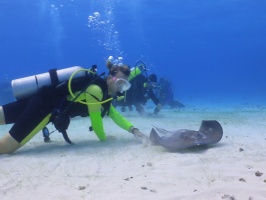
122,84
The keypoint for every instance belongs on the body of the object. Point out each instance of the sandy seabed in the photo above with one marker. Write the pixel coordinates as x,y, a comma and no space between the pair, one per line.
123,168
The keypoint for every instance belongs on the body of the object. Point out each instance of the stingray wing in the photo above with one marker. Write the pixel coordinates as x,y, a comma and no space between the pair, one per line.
210,132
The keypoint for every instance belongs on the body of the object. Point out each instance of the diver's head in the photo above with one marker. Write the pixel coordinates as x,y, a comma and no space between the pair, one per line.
152,80
117,79
94,68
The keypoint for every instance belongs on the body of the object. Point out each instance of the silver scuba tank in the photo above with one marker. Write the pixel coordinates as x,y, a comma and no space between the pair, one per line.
27,86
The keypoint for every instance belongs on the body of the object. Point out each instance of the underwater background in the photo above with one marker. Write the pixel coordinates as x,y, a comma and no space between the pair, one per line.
213,51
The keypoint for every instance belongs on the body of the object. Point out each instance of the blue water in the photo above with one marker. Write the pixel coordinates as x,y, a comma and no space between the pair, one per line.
214,51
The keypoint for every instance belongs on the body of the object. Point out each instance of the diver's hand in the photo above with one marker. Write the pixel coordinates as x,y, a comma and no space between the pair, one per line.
140,136
157,109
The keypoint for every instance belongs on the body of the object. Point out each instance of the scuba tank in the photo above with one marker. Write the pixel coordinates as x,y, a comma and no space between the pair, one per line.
27,86
139,68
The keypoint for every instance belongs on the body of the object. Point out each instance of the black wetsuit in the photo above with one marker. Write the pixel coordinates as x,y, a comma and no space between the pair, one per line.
140,93
27,114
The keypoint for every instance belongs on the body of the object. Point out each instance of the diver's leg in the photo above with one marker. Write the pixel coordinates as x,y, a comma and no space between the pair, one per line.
2,116
123,109
8,144
130,108
140,109
28,120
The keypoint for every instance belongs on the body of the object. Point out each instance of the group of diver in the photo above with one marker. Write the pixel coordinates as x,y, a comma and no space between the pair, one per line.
59,95
145,87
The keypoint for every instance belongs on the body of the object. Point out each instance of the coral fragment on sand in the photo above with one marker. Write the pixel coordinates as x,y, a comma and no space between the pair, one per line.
258,173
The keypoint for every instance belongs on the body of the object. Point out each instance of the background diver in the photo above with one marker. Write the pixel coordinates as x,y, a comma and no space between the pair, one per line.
141,90
166,95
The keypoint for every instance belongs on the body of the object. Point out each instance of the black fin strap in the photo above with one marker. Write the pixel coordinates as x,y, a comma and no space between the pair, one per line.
64,133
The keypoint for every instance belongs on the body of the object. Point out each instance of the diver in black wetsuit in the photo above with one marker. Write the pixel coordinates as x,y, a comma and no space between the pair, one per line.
30,115
141,91
166,95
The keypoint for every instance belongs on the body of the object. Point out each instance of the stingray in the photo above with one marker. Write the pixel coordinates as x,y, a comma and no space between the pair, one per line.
210,132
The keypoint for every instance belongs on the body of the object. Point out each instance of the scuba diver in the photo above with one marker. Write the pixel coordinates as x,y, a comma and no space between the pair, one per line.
166,95
141,90
60,98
